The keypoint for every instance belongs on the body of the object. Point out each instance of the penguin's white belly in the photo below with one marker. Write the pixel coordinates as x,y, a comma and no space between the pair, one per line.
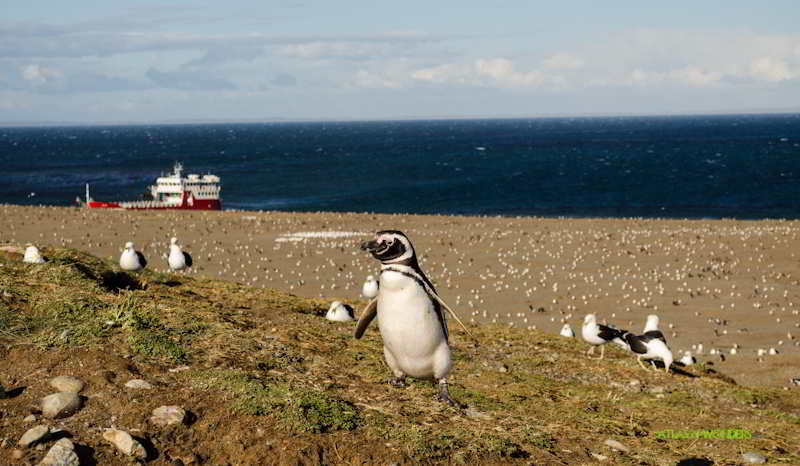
410,329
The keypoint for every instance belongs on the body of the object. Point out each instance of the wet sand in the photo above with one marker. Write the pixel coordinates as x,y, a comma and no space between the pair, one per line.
721,284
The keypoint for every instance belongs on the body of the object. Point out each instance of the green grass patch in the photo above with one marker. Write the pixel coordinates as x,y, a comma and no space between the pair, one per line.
306,410
158,345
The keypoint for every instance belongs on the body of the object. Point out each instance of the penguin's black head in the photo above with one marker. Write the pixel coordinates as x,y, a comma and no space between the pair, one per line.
390,246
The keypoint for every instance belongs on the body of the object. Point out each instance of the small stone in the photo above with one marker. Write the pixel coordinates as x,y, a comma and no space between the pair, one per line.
125,443
502,368
752,457
599,457
30,418
617,446
61,454
33,435
168,415
66,383
138,384
61,404
656,390
475,414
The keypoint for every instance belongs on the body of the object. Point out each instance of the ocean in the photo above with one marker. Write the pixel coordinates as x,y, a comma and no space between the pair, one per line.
737,166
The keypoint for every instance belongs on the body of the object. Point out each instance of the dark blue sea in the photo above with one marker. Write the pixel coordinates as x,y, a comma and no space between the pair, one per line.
740,166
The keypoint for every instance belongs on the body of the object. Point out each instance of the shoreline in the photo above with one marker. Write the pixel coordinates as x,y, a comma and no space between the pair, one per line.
715,282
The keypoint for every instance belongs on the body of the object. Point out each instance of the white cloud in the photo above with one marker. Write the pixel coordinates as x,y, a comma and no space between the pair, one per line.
367,79
771,69
38,74
563,61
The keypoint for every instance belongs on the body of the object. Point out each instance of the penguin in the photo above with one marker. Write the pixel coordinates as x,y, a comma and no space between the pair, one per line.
131,259
566,331
32,255
370,288
598,335
178,259
411,320
649,346
339,312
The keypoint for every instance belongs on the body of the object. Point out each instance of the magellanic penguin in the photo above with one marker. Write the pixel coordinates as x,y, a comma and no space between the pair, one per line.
410,315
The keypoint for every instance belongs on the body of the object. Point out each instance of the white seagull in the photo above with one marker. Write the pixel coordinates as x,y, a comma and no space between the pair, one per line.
566,331
651,324
32,255
687,359
178,259
339,312
651,345
598,335
131,259
370,288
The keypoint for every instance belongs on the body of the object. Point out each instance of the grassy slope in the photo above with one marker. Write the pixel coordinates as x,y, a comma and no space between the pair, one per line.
268,379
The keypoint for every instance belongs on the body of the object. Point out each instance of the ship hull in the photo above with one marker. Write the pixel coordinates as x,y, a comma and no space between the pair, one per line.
197,204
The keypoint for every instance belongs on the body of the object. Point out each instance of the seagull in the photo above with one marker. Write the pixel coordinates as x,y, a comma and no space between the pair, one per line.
178,259
370,288
650,346
339,312
687,359
131,259
651,324
595,335
32,255
566,331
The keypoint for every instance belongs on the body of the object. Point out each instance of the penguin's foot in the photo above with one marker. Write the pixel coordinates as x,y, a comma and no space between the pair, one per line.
444,395
398,382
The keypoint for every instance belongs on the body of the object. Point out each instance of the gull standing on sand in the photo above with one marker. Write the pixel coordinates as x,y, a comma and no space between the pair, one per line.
370,288
32,255
566,331
599,335
339,312
178,259
131,259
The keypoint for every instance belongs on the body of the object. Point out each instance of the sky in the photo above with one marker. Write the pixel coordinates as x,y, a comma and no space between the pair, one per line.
147,61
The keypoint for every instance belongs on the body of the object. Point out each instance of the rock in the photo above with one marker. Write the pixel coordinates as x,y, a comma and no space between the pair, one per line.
168,415
61,454
475,414
30,418
138,384
125,443
752,457
599,457
66,383
617,446
657,390
61,404
33,435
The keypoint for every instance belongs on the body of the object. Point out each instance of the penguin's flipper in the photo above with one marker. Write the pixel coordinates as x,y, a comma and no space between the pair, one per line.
455,316
366,317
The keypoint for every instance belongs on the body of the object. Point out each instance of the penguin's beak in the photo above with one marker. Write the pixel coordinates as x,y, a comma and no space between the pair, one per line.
370,246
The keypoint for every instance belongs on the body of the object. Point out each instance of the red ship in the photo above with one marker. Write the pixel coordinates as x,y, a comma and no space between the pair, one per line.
193,192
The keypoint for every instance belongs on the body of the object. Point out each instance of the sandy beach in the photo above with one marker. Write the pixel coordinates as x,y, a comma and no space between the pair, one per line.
722,284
